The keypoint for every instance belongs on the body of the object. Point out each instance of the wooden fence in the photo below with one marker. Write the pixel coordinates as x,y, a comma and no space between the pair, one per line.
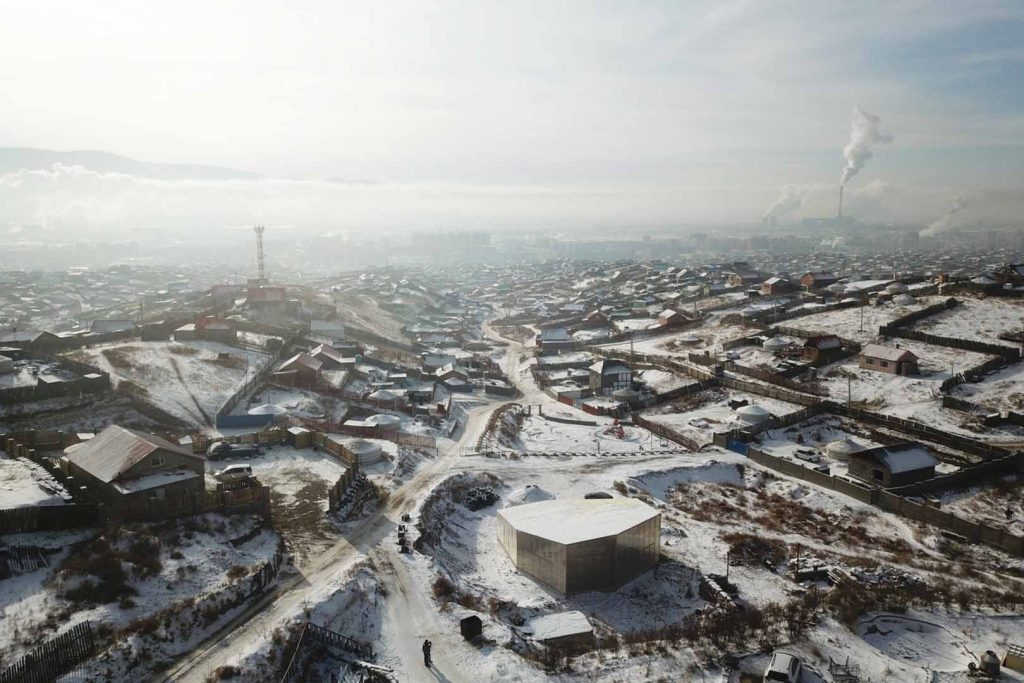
53,659
913,317
666,433
51,518
892,501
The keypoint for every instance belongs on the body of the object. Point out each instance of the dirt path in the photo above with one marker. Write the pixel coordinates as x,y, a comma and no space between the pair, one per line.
253,626
184,384
412,619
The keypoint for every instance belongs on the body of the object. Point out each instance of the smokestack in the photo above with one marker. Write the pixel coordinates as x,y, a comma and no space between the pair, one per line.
840,215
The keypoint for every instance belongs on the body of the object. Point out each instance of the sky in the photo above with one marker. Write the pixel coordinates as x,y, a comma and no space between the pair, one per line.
488,114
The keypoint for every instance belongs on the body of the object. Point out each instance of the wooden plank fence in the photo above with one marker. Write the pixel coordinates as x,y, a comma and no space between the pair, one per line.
54,658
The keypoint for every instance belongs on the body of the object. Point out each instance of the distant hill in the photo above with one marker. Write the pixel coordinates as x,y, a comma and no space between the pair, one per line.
17,158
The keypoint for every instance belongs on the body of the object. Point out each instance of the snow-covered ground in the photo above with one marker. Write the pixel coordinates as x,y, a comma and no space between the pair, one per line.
298,402
859,323
709,337
299,480
1002,391
546,436
896,394
699,417
661,381
191,381
980,319
118,579
24,484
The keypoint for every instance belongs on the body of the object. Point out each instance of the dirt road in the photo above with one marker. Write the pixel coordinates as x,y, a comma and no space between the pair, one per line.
255,625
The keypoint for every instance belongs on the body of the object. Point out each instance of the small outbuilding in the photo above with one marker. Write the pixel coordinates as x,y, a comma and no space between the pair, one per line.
823,349
561,630
895,465
895,361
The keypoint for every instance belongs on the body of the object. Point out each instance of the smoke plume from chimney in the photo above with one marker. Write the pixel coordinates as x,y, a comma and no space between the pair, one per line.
946,222
863,134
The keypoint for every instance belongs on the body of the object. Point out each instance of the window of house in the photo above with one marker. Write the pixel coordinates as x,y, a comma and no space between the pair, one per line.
871,361
878,475
157,461
885,363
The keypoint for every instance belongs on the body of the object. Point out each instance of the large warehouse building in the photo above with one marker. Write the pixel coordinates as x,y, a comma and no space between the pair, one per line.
581,545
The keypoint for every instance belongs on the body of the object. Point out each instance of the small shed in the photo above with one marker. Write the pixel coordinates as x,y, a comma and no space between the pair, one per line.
823,349
561,630
471,627
299,437
896,465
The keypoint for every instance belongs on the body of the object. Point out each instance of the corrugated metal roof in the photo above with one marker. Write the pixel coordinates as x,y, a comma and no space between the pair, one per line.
115,450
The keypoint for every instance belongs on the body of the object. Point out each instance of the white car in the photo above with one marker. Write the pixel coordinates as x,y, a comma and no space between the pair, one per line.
808,455
783,667
234,472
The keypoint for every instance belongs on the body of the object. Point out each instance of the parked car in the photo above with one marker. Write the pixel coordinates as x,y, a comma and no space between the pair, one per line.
235,472
221,450
783,667
807,455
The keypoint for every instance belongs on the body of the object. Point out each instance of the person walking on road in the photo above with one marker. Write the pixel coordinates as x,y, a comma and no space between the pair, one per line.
427,661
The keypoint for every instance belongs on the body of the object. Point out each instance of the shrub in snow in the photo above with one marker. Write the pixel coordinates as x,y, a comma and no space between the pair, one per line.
480,498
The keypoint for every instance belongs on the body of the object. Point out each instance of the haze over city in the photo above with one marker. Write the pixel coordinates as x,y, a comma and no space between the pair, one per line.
484,115
512,342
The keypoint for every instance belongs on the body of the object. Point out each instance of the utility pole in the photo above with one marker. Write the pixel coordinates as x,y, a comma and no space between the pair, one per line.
849,392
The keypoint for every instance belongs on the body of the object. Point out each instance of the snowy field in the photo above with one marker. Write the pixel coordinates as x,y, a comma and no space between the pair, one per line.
298,403
686,341
990,504
540,435
700,416
896,394
188,380
848,323
1001,391
25,484
980,319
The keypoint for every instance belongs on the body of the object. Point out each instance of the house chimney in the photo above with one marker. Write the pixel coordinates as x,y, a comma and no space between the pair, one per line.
840,214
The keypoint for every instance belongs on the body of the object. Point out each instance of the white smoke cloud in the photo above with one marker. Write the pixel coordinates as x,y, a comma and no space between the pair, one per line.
863,134
948,221
791,199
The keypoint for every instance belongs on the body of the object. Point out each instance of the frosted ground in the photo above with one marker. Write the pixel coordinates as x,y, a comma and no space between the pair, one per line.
980,319
846,322
177,560
25,484
188,380
700,416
